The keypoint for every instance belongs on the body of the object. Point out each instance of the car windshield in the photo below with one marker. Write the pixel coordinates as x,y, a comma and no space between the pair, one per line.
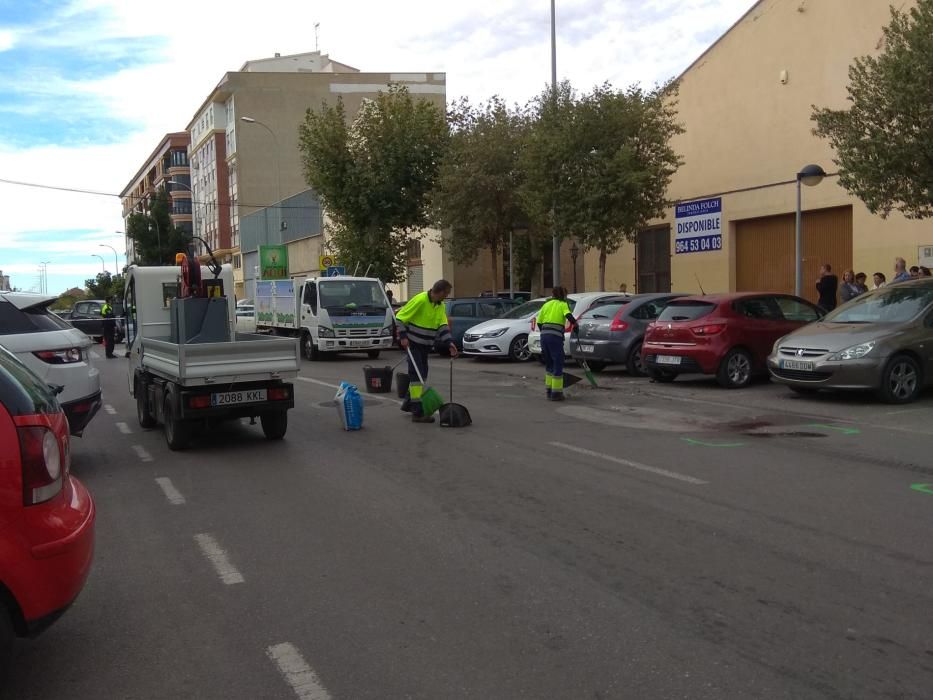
351,294
525,310
686,310
605,310
889,305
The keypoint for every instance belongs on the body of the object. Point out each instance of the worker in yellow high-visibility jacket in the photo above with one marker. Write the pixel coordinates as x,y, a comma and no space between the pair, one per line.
421,323
551,320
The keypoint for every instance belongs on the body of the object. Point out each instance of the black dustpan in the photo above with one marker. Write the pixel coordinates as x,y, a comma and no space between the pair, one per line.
454,415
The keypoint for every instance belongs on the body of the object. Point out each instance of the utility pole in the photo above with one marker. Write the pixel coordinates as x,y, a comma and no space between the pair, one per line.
556,242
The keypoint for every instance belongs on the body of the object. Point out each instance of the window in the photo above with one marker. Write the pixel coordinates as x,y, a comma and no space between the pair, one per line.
414,250
310,296
525,310
12,320
462,310
604,310
889,305
490,309
650,310
686,310
759,308
131,313
794,310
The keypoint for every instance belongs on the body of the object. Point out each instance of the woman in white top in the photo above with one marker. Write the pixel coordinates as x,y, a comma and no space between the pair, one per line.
879,280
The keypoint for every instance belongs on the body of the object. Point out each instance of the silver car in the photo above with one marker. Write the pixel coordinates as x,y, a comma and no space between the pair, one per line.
881,340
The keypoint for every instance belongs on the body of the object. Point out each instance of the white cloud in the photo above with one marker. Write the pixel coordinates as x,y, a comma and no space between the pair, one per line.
7,39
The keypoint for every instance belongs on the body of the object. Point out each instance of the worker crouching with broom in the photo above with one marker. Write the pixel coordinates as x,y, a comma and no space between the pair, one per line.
422,322
551,320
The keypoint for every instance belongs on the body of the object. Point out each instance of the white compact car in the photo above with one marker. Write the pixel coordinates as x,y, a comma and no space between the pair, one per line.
579,305
506,336
55,350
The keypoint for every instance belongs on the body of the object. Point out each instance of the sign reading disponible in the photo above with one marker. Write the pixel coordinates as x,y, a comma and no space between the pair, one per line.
273,262
699,226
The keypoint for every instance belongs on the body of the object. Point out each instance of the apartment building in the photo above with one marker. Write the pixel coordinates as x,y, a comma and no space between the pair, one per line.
167,166
247,174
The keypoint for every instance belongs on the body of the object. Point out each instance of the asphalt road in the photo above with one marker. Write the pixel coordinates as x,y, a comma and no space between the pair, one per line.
637,541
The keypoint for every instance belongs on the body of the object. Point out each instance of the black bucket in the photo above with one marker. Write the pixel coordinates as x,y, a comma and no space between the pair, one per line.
401,384
378,379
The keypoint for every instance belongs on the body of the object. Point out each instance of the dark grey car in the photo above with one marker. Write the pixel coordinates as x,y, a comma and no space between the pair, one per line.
613,333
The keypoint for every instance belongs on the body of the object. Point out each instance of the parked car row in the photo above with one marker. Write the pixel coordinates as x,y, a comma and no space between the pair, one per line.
881,340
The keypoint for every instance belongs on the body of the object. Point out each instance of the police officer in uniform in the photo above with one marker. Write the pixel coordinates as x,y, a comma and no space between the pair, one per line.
110,326
422,322
552,318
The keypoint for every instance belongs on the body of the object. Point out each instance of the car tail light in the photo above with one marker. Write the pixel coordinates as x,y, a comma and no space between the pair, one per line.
202,401
709,329
278,393
42,464
60,357
618,325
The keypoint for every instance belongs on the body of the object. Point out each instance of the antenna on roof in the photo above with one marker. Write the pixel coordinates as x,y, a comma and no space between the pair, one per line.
317,26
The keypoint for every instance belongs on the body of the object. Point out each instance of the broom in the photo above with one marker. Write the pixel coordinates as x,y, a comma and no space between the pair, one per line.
587,372
430,399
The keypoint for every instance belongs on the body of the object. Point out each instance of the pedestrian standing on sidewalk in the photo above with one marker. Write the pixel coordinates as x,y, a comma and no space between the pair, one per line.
551,320
861,281
422,322
849,289
110,326
826,286
879,279
900,271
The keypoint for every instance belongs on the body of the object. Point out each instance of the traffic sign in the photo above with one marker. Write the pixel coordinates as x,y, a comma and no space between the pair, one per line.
336,271
327,261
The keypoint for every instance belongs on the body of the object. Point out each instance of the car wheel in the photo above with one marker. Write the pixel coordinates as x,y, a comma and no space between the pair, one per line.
735,371
274,424
142,406
308,348
176,431
372,354
7,641
661,376
900,380
519,350
634,363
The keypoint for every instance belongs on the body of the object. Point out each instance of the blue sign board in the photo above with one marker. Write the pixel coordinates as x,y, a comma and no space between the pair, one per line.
699,226
336,271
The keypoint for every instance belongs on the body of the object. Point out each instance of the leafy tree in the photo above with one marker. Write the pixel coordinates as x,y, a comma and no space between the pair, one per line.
477,193
105,285
884,140
374,175
155,239
598,165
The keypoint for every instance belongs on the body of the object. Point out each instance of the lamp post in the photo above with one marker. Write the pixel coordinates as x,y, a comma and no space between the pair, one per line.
116,262
44,276
809,175
574,252
556,241
278,169
103,267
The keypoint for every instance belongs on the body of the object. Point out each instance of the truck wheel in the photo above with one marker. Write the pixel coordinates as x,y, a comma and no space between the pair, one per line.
373,354
308,348
142,406
274,424
176,431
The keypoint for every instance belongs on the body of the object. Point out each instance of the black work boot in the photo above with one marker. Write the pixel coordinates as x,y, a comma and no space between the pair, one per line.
406,405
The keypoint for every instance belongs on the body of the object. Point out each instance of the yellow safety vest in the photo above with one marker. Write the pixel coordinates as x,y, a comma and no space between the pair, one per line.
422,320
552,318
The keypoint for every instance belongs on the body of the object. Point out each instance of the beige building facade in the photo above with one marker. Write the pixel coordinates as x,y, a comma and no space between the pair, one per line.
255,114
746,106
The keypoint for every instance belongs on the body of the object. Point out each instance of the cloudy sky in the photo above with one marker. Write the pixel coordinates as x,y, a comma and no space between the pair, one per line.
89,87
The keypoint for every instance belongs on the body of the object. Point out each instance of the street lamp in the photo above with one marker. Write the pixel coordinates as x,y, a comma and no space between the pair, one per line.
574,252
278,169
44,276
116,262
809,175
103,267
556,241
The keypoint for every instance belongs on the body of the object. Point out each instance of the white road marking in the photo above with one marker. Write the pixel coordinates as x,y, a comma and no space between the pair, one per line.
631,464
218,557
110,409
297,673
337,386
907,410
124,428
171,493
142,453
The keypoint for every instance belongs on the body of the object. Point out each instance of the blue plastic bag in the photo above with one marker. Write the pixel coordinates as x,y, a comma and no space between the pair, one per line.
349,406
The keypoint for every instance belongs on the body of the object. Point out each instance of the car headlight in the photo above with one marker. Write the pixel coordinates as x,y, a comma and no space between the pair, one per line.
387,331
494,334
856,352
324,332
774,348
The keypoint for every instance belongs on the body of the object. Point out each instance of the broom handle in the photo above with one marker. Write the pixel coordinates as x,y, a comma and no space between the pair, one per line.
415,365
451,379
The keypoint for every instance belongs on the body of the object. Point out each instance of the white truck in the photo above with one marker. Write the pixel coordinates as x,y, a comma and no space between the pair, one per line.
189,367
328,314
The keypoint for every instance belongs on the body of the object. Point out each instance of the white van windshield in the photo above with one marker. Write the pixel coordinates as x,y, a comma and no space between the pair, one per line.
351,295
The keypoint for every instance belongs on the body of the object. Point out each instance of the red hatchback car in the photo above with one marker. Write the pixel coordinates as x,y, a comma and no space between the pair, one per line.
46,515
729,335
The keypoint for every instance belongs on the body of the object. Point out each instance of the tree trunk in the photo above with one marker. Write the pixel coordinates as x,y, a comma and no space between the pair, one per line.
602,269
494,257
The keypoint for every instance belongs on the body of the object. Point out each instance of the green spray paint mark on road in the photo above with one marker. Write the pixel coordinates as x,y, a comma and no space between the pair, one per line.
843,430
923,488
702,443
